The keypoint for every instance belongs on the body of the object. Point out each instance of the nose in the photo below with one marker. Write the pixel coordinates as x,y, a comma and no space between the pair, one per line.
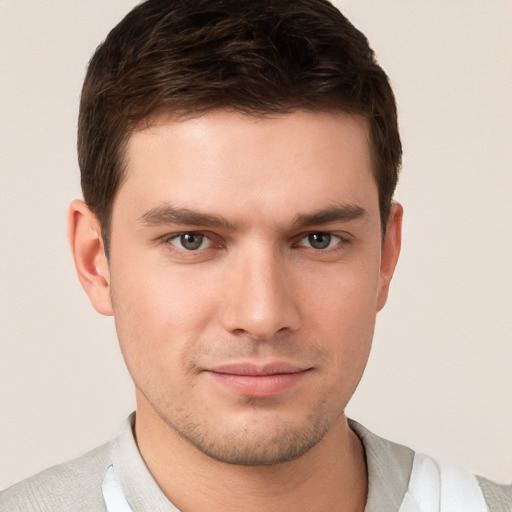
260,300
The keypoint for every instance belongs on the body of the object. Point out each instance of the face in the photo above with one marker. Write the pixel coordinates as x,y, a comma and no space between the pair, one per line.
246,271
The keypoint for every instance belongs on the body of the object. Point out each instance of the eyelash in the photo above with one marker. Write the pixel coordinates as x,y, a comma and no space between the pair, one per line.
320,234
342,240
177,236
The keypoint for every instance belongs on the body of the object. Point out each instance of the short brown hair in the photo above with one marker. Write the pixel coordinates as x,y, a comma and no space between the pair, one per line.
253,56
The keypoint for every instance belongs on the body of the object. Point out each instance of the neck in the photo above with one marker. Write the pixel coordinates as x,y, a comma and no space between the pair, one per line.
331,476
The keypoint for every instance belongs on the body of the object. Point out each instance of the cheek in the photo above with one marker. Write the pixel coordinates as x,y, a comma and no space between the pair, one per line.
160,315
345,306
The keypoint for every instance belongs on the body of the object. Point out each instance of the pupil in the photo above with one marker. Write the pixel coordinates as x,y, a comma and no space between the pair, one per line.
319,240
191,241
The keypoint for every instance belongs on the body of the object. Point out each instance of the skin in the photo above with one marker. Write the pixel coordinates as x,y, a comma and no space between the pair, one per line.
288,270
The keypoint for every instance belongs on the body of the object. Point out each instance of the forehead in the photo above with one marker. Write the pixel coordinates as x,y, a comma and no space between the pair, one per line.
227,160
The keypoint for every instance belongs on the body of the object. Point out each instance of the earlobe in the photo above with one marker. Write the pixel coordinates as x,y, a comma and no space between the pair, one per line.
390,252
85,240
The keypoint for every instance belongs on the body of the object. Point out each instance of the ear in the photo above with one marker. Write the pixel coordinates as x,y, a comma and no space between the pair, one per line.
84,235
390,252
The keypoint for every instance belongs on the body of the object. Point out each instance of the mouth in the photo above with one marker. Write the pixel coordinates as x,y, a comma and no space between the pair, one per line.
265,380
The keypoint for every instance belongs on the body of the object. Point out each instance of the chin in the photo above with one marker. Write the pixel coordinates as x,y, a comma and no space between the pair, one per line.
256,443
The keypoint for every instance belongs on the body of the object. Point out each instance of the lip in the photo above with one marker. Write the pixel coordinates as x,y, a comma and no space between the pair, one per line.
248,379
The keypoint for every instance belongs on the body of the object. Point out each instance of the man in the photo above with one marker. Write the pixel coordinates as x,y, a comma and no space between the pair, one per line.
238,165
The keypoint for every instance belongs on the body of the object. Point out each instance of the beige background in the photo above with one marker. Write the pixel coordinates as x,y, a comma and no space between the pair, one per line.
440,375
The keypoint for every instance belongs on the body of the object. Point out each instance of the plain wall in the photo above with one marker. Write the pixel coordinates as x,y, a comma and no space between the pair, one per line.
439,378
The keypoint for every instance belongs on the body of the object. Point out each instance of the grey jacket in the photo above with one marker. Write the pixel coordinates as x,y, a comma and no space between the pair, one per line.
76,485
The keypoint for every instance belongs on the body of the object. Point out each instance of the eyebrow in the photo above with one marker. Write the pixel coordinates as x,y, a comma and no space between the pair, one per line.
167,214
336,213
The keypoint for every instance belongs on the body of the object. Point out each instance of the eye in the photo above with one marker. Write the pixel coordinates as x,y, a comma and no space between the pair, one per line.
191,241
320,240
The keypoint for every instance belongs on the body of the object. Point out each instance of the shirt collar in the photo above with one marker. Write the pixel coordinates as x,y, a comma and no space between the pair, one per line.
389,466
